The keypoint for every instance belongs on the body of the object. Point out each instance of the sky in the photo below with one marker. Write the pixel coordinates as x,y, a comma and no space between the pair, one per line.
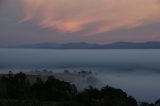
92,21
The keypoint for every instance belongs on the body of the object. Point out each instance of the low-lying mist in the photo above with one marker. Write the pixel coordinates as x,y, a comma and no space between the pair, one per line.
135,71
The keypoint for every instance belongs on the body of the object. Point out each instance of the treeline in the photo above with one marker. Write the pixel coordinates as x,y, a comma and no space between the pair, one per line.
18,90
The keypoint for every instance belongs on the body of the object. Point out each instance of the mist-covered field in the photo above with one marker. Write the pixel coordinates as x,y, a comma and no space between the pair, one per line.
135,71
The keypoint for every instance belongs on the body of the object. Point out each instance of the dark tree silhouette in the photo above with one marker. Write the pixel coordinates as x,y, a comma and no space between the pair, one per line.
18,87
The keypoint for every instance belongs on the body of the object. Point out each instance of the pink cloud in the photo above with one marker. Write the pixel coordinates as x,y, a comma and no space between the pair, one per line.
75,15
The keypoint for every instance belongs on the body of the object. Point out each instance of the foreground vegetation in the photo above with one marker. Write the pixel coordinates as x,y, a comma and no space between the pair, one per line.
16,90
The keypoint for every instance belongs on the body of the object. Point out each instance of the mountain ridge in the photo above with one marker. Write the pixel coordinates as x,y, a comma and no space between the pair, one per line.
84,45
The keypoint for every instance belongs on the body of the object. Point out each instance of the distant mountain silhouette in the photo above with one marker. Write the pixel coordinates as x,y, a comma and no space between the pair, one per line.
83,45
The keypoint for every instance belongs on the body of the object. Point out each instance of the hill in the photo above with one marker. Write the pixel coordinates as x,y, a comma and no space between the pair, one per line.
83,45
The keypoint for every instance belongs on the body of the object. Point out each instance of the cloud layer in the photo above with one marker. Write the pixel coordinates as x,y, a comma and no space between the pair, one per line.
95,16
93,21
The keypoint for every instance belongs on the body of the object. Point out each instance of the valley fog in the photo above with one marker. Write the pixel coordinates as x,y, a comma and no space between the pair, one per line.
135,71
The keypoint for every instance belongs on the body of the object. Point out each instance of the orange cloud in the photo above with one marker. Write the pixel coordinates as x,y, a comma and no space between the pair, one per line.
104,15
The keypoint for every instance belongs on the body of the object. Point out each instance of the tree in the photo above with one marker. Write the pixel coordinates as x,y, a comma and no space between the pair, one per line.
157,103
89,97
131,101
18,86
3,89
59,90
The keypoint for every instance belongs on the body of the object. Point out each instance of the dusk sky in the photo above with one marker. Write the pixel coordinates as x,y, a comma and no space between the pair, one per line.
92,21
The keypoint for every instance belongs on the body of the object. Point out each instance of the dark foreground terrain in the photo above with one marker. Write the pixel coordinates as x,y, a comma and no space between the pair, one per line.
17,90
